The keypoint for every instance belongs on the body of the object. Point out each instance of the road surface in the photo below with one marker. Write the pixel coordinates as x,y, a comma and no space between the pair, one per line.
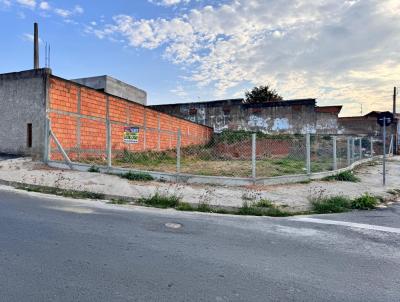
55,249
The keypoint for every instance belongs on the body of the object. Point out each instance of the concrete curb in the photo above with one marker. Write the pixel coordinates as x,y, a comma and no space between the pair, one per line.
213,180
102,196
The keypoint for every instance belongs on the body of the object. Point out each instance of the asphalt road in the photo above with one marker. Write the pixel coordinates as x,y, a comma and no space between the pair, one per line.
54,249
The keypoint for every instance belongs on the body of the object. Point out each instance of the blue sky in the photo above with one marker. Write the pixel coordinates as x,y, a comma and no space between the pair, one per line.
340,52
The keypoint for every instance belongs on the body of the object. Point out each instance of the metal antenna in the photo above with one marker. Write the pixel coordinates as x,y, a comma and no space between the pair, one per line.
45,55
49,56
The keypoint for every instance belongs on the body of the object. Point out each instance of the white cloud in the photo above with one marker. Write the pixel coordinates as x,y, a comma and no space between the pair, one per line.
5,3
27,3
65,13
29,38
337,51
78,10
169,2
179,91
44,5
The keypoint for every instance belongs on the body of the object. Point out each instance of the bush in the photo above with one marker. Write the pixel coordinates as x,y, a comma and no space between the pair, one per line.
161,201
94,169
257,209
183,206
343,176
364,202
264,203
204,207
334,204
138,176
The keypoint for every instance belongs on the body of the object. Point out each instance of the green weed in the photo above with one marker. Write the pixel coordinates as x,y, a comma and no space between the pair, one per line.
333,204
94,169
137,176
161,200
343,176
365,202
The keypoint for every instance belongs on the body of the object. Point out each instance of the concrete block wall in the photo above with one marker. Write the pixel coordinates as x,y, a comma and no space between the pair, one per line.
79,117
23,102
290,117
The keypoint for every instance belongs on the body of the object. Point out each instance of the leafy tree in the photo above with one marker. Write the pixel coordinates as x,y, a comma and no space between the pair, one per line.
262,94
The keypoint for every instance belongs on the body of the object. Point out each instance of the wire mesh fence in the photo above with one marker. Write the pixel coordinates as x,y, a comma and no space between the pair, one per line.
228,154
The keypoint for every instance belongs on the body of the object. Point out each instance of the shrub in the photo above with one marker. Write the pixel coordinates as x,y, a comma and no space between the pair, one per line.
183,206
204,207
94,169
343,176
257,210
333,204
161,201
138,176
264,203
364,202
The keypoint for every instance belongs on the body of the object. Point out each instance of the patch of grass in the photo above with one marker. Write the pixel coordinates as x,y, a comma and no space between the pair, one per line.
62,192
184,206
163,201
258,210
94,169
148,158
137,176
118,201
365,202
332,204
343,176
304,182
204,207
264,203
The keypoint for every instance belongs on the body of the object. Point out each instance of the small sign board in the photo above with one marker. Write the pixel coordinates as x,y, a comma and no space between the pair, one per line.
385,117
131,135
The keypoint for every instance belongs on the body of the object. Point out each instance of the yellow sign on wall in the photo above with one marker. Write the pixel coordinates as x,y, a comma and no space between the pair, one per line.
131,135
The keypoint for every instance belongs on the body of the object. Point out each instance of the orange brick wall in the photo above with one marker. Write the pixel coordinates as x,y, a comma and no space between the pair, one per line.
78,117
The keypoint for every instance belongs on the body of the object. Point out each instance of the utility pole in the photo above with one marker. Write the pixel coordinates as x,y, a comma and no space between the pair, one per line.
395,124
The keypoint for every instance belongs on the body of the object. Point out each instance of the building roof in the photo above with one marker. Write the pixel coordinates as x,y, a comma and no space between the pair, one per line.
329,109
240,101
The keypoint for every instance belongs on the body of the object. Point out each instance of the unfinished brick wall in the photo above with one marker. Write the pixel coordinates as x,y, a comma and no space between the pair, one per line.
79,117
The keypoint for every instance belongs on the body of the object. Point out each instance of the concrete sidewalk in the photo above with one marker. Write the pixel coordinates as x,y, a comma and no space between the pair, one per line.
294,197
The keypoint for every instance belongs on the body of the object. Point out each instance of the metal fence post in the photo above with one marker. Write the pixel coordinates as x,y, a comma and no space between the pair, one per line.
372,146
384,152
178,152
308,150
334,153
390,153
353,149
109,145
360,147
254,156
46,150
348,151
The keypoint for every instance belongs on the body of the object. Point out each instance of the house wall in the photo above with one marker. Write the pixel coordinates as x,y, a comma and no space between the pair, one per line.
79,117
292,117
115,87
23,101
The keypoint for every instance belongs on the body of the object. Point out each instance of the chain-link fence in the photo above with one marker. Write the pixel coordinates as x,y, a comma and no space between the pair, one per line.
229,154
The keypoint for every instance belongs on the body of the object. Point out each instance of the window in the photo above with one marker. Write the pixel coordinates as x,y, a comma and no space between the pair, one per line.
29,136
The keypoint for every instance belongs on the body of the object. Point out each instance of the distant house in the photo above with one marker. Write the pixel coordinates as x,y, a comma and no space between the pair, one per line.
289,116
366,125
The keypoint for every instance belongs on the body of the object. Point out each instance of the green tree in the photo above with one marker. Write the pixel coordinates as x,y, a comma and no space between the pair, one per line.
262,94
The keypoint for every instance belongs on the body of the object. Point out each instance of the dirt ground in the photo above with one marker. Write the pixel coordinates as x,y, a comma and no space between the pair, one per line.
293,196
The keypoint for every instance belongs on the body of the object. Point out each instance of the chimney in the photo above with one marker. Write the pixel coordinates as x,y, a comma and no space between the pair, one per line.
36,47
394,100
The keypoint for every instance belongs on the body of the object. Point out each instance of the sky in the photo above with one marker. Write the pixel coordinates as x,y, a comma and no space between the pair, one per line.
341,52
